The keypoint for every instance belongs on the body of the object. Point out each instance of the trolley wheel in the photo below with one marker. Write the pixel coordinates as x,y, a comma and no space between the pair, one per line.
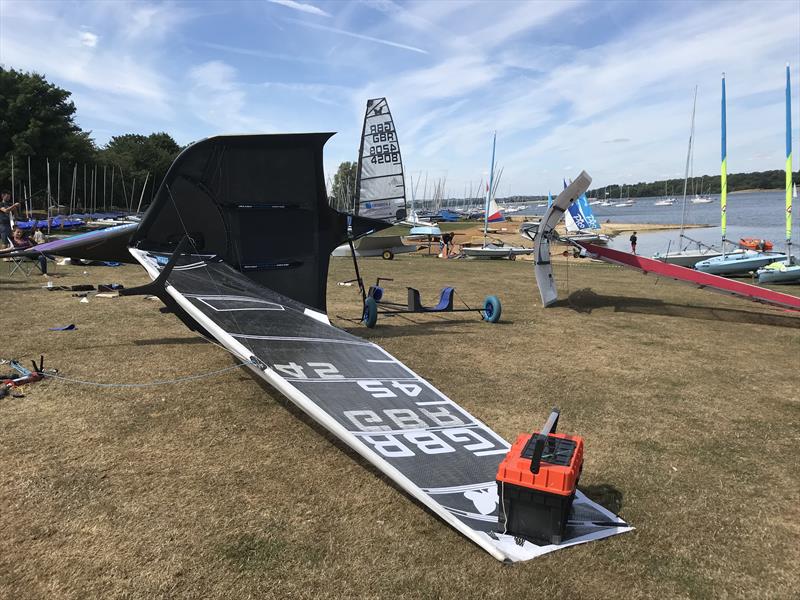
370,316
512,257
491,309
387,255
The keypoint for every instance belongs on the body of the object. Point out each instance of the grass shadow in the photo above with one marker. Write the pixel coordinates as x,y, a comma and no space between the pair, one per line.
586,300
606,495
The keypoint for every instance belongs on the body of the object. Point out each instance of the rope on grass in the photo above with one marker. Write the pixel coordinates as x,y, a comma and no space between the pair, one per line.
148,384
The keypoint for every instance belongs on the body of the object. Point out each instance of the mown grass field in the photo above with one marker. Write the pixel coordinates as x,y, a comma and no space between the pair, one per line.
689,403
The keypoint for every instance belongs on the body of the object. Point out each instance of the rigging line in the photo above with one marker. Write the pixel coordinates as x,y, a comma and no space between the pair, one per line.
461,299
148,384
206,266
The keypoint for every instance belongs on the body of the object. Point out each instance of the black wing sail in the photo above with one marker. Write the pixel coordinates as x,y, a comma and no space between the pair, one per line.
257,202
432,448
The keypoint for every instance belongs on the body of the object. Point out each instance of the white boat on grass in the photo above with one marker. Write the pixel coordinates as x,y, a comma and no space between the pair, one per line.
385,246
492,213
495,250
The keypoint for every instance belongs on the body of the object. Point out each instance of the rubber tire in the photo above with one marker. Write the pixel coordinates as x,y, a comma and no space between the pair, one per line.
387,255
370,316
491,309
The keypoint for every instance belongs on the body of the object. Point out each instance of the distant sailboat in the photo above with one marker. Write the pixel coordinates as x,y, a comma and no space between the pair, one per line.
666,200
788,270
684,256
492,214
736,263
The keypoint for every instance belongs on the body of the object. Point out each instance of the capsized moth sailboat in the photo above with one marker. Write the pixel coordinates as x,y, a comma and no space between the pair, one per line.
785,271
238,242
547,285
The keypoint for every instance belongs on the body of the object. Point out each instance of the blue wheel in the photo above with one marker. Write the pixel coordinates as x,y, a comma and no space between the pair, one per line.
491,309
370,316
376,292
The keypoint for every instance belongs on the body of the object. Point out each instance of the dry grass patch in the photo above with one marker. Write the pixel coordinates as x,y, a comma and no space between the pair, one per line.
218,488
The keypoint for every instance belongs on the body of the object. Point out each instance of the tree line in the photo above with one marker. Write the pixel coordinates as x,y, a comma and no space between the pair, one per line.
704,184
41,144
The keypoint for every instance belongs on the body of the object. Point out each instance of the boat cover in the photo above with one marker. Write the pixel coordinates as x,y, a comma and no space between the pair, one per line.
431,447
703,280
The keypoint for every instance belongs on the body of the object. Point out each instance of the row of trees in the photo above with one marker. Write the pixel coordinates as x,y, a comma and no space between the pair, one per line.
706,184
37,129
342,188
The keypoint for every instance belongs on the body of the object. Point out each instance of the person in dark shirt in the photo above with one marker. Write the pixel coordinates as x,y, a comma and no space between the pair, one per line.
633,239
6,208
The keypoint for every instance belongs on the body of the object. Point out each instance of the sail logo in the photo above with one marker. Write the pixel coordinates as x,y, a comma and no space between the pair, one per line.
485,500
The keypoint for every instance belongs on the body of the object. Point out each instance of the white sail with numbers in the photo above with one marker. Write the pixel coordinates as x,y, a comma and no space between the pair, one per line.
381,192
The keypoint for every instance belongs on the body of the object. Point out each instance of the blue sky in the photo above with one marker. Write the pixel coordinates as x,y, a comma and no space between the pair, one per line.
600,86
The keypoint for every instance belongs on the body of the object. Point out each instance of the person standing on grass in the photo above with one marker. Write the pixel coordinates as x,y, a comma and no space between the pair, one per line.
633,239
6,208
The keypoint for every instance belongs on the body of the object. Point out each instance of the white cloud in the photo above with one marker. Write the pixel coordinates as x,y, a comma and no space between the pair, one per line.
359,36
89,39
216,97
299,6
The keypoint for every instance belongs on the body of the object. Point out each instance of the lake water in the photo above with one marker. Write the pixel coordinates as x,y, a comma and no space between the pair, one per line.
750,214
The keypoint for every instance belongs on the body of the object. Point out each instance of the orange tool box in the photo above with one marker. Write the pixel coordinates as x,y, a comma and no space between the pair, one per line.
536,483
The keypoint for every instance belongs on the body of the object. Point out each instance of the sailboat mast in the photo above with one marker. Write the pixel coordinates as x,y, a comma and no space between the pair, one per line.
489,192
723,182
686,171
788,165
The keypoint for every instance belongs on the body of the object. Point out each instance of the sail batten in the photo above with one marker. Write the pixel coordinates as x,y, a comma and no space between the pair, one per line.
381,192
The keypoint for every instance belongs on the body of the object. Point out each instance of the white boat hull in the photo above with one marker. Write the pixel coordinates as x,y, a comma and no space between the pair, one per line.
785,274
375,246
687,258
738,264
488,252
